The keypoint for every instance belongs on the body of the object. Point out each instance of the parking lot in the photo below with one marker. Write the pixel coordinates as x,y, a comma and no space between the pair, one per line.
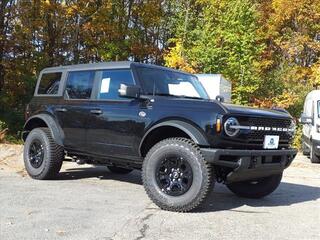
88,202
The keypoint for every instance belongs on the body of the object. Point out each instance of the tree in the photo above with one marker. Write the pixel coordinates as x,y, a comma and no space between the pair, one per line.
224,40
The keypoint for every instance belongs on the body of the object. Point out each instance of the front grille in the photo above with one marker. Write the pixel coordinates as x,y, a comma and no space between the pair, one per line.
257,137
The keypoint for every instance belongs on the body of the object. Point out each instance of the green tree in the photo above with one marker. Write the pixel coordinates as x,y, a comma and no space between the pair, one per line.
225,40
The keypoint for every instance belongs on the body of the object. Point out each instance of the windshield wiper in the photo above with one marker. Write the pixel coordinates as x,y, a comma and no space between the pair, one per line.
177,96
183,96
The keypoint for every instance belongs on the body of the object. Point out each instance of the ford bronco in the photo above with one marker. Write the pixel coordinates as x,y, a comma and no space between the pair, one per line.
129,116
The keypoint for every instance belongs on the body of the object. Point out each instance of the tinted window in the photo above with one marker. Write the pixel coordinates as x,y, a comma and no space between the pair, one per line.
110,83
49,83
167,82
79,84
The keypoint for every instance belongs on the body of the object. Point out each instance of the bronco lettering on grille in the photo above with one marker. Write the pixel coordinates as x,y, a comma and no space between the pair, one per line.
261,128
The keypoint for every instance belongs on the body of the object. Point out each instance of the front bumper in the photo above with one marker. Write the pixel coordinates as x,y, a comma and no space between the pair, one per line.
249,164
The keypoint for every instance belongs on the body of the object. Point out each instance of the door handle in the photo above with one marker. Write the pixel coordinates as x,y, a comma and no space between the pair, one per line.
96,111
61,110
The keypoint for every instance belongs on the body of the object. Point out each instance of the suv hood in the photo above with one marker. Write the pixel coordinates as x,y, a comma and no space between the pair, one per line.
242,110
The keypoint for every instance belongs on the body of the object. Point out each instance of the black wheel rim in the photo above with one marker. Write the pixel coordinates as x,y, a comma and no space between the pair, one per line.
36,153
174,175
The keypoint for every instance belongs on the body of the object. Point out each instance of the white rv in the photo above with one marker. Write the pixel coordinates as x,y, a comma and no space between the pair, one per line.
310,119
216,86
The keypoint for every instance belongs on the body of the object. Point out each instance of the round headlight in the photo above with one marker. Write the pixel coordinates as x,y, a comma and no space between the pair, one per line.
230,127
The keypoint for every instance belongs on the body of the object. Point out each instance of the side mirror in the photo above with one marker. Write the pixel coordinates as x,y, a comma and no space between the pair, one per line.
304,119
220,98
129,91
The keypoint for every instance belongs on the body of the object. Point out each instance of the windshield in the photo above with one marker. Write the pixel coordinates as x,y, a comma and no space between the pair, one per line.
170,83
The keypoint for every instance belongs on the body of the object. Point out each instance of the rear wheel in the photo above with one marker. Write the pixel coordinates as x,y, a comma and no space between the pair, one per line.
119,170
175,175
42,156
313,157
256,188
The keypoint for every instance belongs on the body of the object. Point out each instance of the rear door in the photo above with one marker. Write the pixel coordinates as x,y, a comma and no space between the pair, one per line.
73,111
114,125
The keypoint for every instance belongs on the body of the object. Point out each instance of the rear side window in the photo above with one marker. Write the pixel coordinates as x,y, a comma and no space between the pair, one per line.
110,83
49,83
79,84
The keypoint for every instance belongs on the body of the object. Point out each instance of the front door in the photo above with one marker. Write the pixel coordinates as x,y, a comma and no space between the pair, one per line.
114,126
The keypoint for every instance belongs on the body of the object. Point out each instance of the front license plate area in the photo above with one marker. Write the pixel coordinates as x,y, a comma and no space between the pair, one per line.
271,142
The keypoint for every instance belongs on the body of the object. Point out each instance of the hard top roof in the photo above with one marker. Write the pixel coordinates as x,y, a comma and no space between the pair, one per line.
104,65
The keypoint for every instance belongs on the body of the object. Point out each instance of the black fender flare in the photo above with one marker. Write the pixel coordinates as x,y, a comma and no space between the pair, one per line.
56,130
194,133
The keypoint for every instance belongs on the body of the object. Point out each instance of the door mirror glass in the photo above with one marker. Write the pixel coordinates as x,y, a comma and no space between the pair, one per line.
304,119
129,91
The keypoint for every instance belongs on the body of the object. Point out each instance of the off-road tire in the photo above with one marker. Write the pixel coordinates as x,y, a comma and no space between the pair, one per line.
52,158
313,157
305,150
256,189
119,170
202,181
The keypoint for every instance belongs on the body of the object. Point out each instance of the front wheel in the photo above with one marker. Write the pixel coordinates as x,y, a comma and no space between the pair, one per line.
313,157
175,175
256,188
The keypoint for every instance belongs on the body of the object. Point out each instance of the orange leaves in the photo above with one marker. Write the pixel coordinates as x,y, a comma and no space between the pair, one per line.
284,100
174,58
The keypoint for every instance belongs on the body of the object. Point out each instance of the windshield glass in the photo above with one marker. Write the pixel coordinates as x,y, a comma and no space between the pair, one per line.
170,83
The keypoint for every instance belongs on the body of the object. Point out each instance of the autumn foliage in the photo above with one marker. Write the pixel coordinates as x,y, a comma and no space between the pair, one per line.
269,49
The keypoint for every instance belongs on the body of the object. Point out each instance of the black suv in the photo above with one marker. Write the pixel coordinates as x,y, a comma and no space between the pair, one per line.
136,116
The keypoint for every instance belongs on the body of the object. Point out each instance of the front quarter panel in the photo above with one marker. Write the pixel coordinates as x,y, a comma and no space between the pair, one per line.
199,114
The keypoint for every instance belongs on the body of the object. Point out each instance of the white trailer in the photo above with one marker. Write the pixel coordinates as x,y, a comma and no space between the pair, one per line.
216,85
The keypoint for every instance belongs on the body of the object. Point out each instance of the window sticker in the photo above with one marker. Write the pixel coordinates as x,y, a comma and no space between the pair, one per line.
105,84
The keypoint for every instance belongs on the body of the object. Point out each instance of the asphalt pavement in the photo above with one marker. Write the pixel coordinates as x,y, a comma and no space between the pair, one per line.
88,202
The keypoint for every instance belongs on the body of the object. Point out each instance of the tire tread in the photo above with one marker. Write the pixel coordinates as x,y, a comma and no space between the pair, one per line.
207,168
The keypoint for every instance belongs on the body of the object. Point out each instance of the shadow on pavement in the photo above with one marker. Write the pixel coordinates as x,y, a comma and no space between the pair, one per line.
285,195
220,199
100,172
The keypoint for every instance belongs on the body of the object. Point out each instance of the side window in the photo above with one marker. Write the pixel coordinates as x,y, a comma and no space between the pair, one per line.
110,83
49,83
79,84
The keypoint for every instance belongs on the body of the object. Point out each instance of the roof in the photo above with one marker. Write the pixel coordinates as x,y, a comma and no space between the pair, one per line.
315,94
105,65
101,65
